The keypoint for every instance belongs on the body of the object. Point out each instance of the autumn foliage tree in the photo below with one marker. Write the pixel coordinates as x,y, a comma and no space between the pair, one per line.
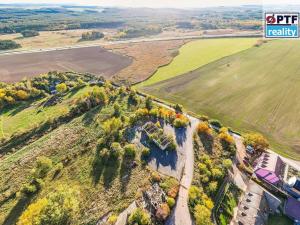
257,141
58,207
62,87
203,128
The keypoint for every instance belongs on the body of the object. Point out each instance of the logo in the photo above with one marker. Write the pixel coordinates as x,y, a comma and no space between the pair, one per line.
282,25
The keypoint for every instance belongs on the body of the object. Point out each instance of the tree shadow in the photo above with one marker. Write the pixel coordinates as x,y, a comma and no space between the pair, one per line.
125,172
89,117
16,109
98,167
208,142
16,211
129,133
180,134
110,172
72,92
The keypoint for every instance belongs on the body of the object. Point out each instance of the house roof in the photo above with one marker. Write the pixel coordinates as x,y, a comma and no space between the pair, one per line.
292,208
267,175
255,206
270,162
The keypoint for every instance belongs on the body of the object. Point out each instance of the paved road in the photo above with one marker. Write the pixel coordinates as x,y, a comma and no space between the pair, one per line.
14,52
181,215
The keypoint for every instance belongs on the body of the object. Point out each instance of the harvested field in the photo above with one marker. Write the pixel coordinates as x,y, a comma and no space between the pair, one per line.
147,58
95,60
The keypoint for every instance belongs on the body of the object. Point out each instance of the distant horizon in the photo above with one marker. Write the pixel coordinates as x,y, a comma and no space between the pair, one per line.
176,4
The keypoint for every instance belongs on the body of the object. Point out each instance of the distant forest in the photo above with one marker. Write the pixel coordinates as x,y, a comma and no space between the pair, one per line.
45,18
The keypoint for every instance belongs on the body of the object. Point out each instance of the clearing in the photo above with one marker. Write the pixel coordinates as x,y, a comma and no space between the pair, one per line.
94,60
253,90
199,53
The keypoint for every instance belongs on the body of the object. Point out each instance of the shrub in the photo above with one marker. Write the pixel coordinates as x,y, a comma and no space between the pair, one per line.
178,123
163,212
22,95
170,202
149,103
145,152
58,168
115,150
212,187
90,36
62,87
59,207
139,217
29,189
130,150
195,196
204,118
226,137
227,163
30,33
257,141
155,177
203,128
117,110
43,166
170,186
112,219
202,215
216,123
178,108
202,167
8,44
216,173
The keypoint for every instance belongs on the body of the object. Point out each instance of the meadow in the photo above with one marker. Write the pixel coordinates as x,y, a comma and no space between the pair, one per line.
27,114
254,90
199,53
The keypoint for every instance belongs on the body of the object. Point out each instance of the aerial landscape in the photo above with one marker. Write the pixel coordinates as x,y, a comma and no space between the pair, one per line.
139,113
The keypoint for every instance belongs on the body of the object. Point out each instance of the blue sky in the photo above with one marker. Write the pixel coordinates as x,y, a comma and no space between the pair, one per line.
157,3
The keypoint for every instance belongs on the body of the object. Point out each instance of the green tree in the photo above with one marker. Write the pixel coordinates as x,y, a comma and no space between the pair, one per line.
139,217
43,166
130,150
257,141
149,103
59,207
62,207
117,110
202,215
62,87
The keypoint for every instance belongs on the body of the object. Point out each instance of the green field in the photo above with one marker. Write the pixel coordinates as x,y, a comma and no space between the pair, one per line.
27,115
198,53
256,89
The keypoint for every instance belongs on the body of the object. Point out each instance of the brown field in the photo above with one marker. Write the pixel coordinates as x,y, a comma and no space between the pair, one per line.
95,60
52,39
147,57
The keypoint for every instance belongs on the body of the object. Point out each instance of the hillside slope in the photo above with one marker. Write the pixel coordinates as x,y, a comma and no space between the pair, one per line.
254,89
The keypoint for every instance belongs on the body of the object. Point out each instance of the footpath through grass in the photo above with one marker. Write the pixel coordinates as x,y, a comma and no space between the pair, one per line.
198,53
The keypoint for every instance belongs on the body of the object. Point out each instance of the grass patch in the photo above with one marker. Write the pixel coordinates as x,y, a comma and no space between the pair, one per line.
247,92
102,187
199,53
27,115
